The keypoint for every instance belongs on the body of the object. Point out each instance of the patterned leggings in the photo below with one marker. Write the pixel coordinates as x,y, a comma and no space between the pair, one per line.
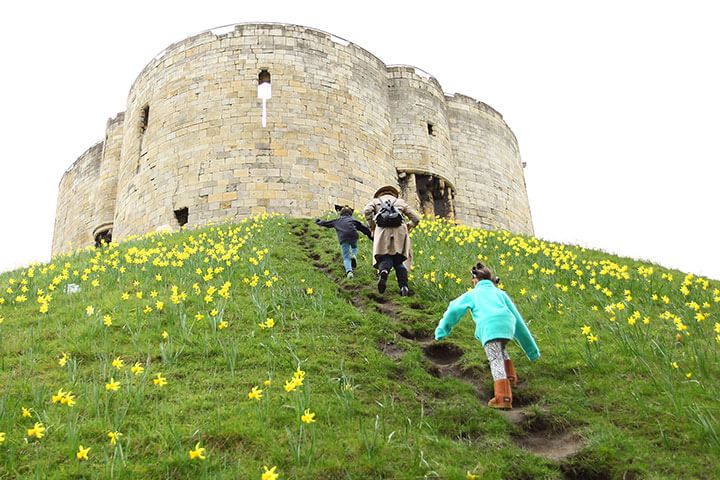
497,354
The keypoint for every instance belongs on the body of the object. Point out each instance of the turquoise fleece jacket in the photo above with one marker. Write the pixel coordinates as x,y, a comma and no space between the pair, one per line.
495,317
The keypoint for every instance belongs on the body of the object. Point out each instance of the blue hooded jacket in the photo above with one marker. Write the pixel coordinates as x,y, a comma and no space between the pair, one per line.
495,318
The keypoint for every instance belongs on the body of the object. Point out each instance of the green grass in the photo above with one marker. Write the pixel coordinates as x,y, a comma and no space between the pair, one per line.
633,414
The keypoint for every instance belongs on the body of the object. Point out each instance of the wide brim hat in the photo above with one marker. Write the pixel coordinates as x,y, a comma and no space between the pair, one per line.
387,190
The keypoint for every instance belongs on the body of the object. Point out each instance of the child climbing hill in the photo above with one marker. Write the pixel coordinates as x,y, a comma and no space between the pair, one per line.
346,228
496,322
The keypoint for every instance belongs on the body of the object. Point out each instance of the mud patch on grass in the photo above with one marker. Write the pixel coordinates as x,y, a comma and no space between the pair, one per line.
393,351
555,447
415,336
443,353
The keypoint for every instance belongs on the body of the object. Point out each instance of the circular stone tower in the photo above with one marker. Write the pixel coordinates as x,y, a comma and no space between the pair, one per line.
191,148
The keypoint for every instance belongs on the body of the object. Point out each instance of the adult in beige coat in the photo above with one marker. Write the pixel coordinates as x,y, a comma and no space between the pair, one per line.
392,247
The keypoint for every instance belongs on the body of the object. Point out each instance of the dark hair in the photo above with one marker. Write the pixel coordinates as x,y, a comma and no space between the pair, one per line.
344,209
482,272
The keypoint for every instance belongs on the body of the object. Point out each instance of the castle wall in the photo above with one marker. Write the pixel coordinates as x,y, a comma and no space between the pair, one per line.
328,139
190,146
77,196
417,100
104,213
490,189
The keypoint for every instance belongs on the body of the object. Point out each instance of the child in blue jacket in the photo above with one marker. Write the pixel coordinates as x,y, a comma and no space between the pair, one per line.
346,228
496,322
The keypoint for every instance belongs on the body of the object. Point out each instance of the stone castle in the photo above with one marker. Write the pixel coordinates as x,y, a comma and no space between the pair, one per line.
190,148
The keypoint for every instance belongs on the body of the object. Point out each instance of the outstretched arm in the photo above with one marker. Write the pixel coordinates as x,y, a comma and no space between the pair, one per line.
455,311
522,333
325,223
361,226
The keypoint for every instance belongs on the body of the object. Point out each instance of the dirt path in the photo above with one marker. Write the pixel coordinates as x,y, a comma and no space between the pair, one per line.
444,360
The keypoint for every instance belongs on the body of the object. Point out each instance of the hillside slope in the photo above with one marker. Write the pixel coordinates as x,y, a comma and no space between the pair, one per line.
230,338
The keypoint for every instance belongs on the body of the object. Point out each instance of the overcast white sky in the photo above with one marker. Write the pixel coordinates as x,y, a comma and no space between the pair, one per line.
616,105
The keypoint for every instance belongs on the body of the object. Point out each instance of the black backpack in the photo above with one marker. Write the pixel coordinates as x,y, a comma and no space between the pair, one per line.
388,216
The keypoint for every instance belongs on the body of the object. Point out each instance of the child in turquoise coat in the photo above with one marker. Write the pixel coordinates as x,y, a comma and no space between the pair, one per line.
496,322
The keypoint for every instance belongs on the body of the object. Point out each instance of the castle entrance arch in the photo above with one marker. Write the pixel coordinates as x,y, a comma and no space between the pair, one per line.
103,234
433,195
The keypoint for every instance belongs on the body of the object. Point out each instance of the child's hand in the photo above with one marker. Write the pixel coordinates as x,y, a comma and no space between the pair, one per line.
439,334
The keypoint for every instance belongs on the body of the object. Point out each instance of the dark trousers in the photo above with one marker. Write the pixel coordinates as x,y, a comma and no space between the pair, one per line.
388,262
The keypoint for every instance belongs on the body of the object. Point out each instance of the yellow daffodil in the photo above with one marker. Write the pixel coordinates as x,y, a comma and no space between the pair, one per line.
159,380
269,323
112,386
114,436
38,431
269,474
137,369
291,385
165,334
255,394
197,452
585,329
267,383
308,416
68,399
89,310
118,363
2,438
82,453
309,291
26,413
57,398
63,359
107,320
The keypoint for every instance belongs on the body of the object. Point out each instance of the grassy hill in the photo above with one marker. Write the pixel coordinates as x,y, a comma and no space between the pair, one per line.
168,336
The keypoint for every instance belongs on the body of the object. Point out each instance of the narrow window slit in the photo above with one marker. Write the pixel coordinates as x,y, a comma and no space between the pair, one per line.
144,118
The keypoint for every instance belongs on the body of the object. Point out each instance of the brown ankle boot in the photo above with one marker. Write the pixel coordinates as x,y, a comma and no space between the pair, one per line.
510,372
503,395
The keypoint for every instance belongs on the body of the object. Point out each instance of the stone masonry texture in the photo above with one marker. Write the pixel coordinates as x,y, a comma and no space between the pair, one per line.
340,124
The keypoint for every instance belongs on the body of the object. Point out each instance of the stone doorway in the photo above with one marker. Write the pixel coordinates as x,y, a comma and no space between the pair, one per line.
430,194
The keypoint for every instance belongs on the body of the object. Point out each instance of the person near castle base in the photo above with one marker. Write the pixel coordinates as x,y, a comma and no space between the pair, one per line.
392,247
346,228
496,322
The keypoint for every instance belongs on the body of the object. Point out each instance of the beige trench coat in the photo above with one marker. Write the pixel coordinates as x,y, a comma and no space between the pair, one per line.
390,241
